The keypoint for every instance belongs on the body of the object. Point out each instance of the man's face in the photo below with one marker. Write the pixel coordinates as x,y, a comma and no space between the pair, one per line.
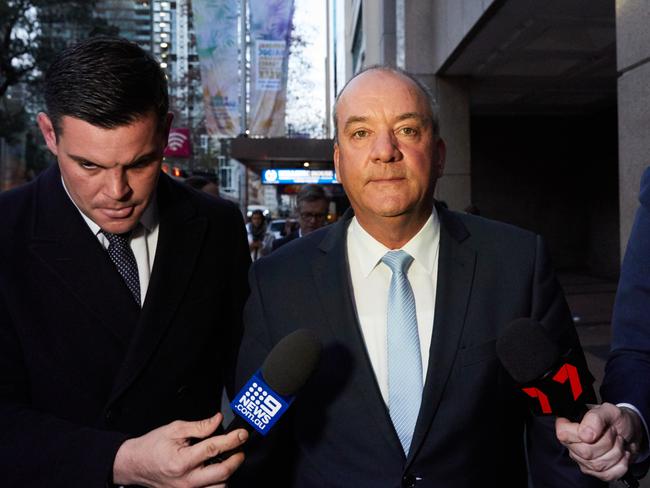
110,174
312,215
387,156
257,220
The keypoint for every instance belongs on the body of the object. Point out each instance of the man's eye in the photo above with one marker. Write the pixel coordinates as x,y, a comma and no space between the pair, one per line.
87,165
360,134
408,131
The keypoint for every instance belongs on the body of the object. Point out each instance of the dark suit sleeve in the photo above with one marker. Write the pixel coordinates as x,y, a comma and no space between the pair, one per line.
37,449
549,463
627,373
266,457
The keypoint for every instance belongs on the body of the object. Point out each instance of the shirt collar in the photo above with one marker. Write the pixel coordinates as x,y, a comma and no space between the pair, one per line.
149,218
422,246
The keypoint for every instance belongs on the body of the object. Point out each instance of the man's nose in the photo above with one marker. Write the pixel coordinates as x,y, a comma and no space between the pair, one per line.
117,183
384,148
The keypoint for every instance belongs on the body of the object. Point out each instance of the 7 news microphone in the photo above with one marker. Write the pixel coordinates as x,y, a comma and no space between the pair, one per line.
272,389
556,382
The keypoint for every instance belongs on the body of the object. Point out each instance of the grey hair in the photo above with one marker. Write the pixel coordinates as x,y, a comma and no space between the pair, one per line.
311,193
431,101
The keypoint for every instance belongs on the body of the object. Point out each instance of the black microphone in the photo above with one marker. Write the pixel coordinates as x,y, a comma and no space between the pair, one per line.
556,382
272,389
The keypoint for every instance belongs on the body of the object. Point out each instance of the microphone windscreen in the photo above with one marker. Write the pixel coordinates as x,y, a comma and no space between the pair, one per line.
291,362
526,351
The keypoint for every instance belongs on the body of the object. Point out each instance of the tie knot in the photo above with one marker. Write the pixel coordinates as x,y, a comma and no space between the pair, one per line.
397,261
119,240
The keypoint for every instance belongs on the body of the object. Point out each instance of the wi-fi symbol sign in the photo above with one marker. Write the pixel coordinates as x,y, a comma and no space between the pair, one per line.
176,140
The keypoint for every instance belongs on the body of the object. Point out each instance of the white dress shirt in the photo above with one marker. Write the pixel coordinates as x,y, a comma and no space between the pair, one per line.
143,242
370,283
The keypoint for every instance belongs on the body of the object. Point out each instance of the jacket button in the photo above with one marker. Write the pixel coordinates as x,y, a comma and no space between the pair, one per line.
183,391
409,481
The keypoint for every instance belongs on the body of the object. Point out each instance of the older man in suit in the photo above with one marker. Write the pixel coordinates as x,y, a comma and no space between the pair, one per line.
120,292
408,299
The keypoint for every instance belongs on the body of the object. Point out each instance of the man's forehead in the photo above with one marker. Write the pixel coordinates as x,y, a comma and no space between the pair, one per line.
378,89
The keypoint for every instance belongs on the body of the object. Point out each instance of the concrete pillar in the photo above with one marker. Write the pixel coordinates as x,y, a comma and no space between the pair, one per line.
415,43
453,99
633,59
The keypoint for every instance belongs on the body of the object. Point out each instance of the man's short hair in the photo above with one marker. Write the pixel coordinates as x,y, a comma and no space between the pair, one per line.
106,81
426,92
311,193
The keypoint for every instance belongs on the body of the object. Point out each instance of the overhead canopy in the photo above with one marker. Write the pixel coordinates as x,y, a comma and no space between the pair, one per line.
259,154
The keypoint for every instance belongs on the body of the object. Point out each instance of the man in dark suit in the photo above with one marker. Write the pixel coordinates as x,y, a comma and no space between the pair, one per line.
612,437
311,205
408,299
120,293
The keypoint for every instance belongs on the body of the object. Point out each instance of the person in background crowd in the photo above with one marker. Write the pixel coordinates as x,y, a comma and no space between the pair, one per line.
312,205
203,184
259,237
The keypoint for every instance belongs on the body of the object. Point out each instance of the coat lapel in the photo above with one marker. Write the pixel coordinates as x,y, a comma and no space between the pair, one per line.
332,278
64,243
180,239
456,265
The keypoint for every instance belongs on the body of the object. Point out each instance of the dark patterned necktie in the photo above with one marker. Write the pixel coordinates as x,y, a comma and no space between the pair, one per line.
122,256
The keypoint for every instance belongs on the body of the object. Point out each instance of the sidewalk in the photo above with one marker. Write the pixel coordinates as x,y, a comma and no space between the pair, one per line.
591,301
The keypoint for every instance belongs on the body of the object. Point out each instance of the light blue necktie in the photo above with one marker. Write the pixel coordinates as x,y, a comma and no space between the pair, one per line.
404,358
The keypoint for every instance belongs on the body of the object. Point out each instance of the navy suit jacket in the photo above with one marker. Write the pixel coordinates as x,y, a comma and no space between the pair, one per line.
470,429
627,373
82,368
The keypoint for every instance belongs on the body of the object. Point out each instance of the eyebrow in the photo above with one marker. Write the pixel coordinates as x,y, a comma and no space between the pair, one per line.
144,158
405,116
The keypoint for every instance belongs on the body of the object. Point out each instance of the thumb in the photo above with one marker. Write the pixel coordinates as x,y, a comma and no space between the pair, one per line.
595,422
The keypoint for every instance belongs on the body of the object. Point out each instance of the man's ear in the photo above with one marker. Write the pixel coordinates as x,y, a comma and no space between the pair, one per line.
336,157
47,129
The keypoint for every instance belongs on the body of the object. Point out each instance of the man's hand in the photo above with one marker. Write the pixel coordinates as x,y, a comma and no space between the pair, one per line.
605,442
166,457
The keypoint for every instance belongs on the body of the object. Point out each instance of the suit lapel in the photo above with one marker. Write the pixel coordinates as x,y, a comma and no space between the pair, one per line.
456,265
64,243
332,279
180,239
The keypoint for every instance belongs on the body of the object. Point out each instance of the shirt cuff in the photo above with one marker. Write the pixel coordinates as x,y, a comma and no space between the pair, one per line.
643,455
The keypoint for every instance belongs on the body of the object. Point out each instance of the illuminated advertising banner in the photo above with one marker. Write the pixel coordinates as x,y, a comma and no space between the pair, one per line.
216,24
270,33
298,176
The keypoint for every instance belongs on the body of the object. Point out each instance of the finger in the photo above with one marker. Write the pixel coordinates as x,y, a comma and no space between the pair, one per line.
199,429
216,474
604,462
566,431
607,443
614,473
213,446
596,421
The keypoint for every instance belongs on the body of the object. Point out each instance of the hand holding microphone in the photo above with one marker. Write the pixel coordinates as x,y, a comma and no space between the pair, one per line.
271,390
558,383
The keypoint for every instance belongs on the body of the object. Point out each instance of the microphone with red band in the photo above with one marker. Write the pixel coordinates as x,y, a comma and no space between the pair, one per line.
271,390
555,381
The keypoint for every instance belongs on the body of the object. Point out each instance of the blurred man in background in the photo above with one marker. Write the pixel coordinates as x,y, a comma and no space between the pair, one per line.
312,207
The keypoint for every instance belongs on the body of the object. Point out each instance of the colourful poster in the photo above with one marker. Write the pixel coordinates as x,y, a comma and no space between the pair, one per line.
270,31
217,42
